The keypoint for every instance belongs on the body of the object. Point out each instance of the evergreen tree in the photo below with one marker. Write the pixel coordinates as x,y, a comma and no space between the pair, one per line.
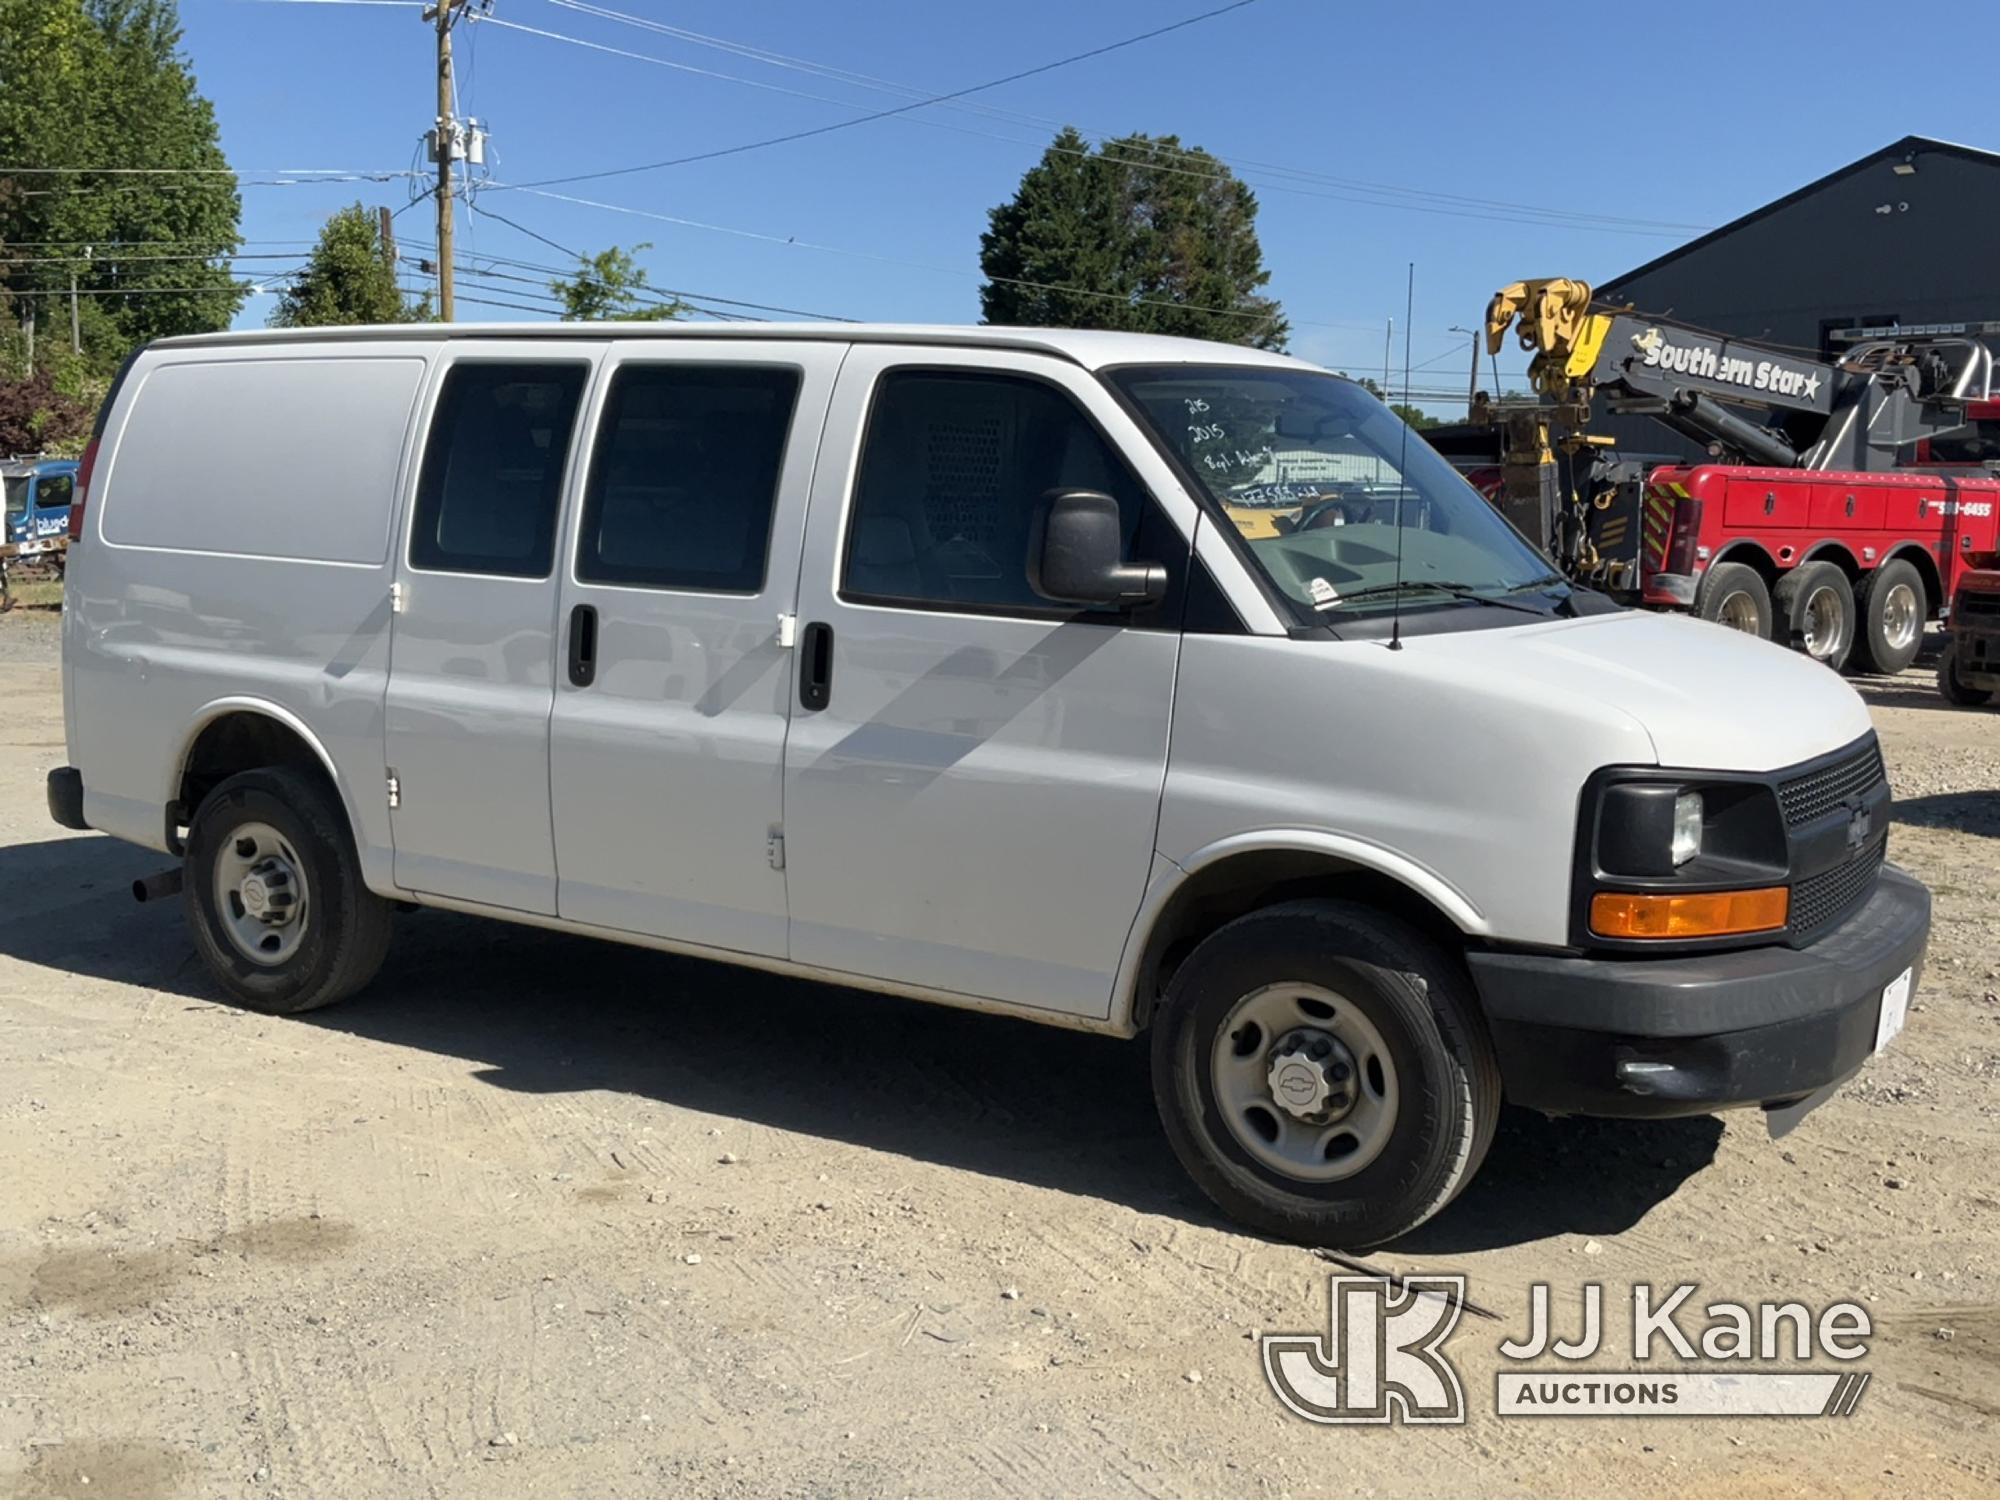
1139,235
348,279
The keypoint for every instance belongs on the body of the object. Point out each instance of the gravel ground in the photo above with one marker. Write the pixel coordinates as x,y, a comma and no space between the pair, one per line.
535,1215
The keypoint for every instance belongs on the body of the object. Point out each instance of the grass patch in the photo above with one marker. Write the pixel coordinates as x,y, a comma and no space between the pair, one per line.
36,593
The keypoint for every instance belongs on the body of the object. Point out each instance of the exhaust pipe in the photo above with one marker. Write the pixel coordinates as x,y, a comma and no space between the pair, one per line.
158,887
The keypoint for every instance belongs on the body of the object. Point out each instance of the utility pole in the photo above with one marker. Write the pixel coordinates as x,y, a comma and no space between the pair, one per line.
387,227
1472,390
75,320
444,140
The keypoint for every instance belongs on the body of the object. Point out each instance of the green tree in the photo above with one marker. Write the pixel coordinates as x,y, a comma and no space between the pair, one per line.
612,285
1137,235
95,84
1416,416
347,279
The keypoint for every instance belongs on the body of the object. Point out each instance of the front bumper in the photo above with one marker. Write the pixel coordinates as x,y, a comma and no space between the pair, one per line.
1655,1037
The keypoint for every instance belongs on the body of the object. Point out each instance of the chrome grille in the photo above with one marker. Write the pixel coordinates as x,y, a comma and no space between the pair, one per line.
1828,895
1818,793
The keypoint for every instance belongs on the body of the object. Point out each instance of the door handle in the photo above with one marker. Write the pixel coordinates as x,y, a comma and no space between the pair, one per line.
816,666
583,645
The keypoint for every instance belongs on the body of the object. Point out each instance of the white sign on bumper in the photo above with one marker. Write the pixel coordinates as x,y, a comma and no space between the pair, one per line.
1895,1009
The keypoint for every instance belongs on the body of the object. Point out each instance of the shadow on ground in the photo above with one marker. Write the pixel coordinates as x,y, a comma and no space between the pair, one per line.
1967,812
1908,692
545,1013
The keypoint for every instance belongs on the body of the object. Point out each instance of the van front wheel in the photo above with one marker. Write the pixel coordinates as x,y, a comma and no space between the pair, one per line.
274,894
1323,1073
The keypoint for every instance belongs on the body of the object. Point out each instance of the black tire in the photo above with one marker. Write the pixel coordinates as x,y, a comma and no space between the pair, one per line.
1954,687
345,925
1732,592
1816,613
1898,582
1416,996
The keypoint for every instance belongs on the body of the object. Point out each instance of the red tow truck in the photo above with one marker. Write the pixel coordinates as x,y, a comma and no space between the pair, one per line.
1838,523
1969,669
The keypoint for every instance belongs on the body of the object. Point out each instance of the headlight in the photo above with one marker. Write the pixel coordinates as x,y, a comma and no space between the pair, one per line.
1687,827
1684,827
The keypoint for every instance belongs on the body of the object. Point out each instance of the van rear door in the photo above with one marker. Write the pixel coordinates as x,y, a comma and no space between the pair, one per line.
472,657
674,686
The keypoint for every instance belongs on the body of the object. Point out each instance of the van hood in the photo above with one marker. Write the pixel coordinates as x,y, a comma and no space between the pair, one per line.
1710,698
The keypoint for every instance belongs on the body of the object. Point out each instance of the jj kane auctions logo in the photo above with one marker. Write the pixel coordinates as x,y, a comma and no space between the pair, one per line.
1382,1359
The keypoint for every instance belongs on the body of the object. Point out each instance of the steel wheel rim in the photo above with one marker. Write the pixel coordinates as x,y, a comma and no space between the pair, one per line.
1825,623
1899,616
1264,1025
261,894
1738,612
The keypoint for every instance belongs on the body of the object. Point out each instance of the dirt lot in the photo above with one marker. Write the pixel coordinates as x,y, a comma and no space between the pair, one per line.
540,1216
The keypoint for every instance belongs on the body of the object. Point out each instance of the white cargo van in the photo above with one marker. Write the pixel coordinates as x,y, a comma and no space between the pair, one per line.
1118,682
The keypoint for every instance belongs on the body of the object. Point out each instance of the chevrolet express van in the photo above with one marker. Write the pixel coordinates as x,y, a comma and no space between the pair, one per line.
1125,683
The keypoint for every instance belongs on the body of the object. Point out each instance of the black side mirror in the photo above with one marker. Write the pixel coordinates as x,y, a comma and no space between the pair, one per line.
1077,555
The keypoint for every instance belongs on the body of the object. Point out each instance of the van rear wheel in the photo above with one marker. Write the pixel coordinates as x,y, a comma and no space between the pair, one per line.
1323,1073
274,894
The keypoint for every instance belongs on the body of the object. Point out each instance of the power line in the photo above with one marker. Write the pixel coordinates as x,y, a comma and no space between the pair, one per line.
1500,209
884,114
661,294
153,291
794,241
133,260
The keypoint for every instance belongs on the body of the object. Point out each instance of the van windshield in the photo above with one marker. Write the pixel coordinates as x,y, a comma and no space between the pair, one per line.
17,495
1313,470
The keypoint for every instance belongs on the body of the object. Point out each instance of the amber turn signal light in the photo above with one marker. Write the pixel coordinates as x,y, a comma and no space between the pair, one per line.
1617,914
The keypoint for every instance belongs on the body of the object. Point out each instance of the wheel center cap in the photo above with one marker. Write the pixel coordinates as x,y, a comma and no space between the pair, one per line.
1298,1084
256,898
1311,1074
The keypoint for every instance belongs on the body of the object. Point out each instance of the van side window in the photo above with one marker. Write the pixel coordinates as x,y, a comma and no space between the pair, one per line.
493,469
685,476
953,469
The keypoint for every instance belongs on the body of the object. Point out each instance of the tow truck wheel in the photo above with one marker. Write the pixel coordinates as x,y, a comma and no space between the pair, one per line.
1890,606
1815,604
1324,1074
1954,687
1733,594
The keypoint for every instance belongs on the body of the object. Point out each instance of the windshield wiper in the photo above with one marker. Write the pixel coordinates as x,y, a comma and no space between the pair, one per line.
1455,590
1547,580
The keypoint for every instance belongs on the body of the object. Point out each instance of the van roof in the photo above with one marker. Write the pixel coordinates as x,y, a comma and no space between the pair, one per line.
1092,348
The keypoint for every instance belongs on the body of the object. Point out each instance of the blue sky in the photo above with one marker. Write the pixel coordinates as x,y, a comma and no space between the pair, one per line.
1371,124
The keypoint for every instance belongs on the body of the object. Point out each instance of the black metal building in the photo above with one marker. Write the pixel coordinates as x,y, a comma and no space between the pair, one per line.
1905,237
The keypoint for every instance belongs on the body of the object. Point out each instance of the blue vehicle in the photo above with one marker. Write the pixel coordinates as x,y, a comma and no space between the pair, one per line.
36,519
38,497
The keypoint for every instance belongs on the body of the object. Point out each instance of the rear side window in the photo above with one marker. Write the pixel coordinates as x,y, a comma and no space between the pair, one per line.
953,471
685,477
293,455
493,469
